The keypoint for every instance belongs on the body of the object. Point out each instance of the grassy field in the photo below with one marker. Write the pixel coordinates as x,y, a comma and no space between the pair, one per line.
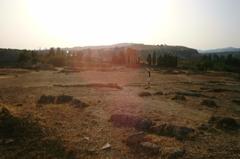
176,97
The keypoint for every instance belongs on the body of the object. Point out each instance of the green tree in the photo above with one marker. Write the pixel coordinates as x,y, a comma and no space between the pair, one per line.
24,57
51,52
154,58
149,59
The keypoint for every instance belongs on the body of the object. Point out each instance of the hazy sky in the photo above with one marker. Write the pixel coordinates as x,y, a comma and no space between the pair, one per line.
201,24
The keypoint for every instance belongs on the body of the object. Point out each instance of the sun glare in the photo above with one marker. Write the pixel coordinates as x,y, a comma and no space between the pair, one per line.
97,22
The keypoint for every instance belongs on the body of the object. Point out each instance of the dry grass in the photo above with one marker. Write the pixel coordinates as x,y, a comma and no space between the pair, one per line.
84,131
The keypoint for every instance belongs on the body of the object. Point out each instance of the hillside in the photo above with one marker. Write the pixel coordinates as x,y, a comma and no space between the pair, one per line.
235,52
221,50
144,50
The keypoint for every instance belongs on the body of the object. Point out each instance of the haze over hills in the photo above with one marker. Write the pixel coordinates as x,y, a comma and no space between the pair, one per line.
235,52
220,50
144,49
137,46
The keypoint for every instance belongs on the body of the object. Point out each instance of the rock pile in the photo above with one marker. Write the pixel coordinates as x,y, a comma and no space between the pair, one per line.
61,99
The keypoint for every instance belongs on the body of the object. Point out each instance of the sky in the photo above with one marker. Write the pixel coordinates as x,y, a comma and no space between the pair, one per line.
40,24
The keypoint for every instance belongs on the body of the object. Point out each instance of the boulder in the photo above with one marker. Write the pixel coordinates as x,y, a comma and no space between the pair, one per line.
78,104
46,99
227,123
209,103
224,123
179,132
62,99
124,120
144,94
179,97
158,93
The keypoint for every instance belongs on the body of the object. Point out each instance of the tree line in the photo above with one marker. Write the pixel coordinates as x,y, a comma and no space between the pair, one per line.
57,57
219,63
165,60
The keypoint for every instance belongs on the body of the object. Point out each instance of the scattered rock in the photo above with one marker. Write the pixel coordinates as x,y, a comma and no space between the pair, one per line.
62,99
135,139
224,123
143,124
9,141
204,88
19,104
179,132
86,138
107,146
92,151
214,119
139,143
227,124
179,97
158,93
124,120
144,94
204,126
46,99
236,101
173,153
217,90
150,148
95,85
151,145
209,103
78,104
4,114
193,94
39,105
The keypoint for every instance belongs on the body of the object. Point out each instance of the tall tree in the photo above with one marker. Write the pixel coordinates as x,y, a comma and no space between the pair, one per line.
154,58
149,59
58,51
51,52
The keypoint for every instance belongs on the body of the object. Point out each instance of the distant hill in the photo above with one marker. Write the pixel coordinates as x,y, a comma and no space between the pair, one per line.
235,52
107,52
221,50
144,50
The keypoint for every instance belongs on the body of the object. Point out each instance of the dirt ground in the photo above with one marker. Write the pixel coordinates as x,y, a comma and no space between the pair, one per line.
85,130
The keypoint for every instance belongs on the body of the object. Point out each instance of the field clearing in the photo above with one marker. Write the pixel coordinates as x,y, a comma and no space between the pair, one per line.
84,131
